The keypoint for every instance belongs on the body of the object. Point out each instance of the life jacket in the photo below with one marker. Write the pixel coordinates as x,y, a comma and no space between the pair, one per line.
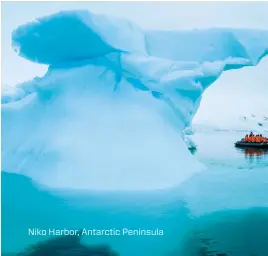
253,138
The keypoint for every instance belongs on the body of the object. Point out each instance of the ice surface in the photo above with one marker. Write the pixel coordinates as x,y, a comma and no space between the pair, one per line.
110,112
208,45
71,36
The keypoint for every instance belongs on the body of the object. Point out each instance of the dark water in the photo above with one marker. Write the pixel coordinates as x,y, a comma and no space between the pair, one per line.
220,211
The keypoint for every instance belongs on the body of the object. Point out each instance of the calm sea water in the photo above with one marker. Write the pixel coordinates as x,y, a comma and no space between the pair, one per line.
220,211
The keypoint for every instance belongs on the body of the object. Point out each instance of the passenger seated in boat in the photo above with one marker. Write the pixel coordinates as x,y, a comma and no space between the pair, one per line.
248,138
263,139
251,137
257,138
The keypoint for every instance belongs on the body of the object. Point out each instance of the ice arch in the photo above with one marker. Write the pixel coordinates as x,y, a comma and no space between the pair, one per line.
108,114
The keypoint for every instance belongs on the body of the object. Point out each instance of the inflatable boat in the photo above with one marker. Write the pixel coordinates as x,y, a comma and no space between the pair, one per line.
242,144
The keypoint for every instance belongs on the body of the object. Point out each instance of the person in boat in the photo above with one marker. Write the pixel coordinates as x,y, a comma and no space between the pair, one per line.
263,139
253,138
249,138
257,138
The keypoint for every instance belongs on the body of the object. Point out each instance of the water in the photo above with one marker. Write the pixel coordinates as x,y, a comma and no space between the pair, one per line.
220,211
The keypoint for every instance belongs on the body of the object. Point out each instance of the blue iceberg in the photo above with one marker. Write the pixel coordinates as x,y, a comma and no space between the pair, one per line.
110,111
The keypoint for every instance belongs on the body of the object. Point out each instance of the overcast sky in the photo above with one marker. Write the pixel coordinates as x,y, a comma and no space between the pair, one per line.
149,15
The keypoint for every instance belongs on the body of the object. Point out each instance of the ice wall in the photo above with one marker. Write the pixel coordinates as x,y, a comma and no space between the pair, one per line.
109,112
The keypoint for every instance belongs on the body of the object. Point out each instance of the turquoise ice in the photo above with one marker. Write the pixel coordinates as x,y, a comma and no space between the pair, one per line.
110,111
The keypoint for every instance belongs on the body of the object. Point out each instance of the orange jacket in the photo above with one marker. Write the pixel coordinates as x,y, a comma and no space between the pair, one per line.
257,139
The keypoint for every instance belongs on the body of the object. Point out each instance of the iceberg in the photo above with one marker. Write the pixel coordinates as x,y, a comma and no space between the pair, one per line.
109,114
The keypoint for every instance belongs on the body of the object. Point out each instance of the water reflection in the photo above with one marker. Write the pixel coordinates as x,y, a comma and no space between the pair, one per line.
254,154
163,210
66,245
229,233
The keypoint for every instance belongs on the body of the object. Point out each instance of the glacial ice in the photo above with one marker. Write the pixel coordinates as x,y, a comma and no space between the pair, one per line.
110,111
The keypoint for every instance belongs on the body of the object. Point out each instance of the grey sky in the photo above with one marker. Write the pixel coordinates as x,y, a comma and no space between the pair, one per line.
149,15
